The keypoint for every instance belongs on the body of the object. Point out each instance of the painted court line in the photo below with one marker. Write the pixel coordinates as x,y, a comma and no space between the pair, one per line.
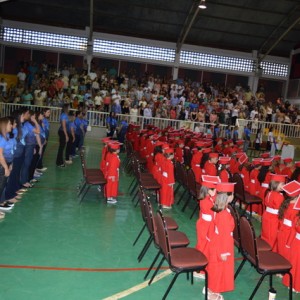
45,268
138,287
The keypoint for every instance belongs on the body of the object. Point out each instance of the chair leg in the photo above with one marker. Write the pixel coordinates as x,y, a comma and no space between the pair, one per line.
133,189
139,235
85,192
271,280
206,284
291,286
145,249
177,188
186,203
257,286
196,208
239,268
82,188
132,182
135,196
153,263
157,269
181,197
170,286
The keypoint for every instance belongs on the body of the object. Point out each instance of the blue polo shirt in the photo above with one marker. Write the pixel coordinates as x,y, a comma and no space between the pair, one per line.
7,145
30,138
63,117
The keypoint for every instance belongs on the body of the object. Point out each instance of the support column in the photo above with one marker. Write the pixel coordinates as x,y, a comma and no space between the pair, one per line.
176,67
254,77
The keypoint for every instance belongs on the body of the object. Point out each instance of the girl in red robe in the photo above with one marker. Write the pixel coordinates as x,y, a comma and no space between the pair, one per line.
179,151
221,247
104,152
112,173
295,258
254,184
224,174
272,203
210,166
264,177
287,217
159,159
166,193
195,164
296,173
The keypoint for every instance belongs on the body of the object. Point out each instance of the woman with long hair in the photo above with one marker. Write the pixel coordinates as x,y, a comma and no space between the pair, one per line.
221,247
272,203
296,173
14,186
33,130
63,136
6,159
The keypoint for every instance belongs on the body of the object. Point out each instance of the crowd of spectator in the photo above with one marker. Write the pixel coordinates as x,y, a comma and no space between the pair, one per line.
148,95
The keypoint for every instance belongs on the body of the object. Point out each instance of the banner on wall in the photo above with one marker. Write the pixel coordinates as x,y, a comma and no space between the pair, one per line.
10,79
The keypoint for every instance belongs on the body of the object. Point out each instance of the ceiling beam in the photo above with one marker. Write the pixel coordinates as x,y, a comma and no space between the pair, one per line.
188,23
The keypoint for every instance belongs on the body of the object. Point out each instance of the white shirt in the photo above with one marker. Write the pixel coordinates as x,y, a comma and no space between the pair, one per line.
21,76
98,100
147,112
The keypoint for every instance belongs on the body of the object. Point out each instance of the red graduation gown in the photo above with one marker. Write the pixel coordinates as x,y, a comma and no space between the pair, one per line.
254,184
210,169
103,159
287,231
112,176
221,242
203,224
195,165
179,155
246,178
270,221
166,191
156,170
295,259
224,176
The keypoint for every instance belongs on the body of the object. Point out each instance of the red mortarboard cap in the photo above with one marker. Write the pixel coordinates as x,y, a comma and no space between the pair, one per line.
287,160
276,157
239,142
165,146
194,150
209,136
213,155
225,143
158,143
150,133
292,188
200,144
224,160
225,187
297,204
267,162
218,140
265,155
169,150
243,158
210,181
208,144
155,136
180,142
256,161
297,164
277,177
239,154
114,145
106,140
230,141
206,150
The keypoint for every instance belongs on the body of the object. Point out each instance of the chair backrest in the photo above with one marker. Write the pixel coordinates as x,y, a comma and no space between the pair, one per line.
177,172
239,192
185,177
191,181
236,231
142,200
163,238
248,240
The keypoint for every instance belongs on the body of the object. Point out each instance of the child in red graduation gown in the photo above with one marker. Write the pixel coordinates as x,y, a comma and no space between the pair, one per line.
210,166
196,160
288,169
179,151
254,184
112,173
206,197
296,173
295,257
288,218
272,203
166,194
288,237
104,152
224,174
221,247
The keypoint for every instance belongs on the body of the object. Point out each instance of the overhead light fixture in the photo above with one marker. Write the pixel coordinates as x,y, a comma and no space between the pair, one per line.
3,1
202,4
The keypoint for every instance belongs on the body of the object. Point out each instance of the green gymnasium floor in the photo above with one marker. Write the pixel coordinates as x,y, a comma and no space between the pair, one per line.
54,248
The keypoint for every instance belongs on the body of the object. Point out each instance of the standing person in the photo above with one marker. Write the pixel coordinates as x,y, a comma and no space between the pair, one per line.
272,202
287,217
224,173
40,139
6,159
33,129
14,186
63,136
79,132
71,134
112,173
270,139
210,166
46,127
258,140
111,124
196,160
206,203
254,184
247,136
167,180
220,266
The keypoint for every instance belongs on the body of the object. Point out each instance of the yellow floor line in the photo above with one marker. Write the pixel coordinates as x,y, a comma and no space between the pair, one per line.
138,287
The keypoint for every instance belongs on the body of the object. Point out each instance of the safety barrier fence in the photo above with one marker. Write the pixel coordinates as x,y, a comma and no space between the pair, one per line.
99,119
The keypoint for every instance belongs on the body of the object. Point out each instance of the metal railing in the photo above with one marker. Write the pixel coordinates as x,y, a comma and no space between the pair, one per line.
279,129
